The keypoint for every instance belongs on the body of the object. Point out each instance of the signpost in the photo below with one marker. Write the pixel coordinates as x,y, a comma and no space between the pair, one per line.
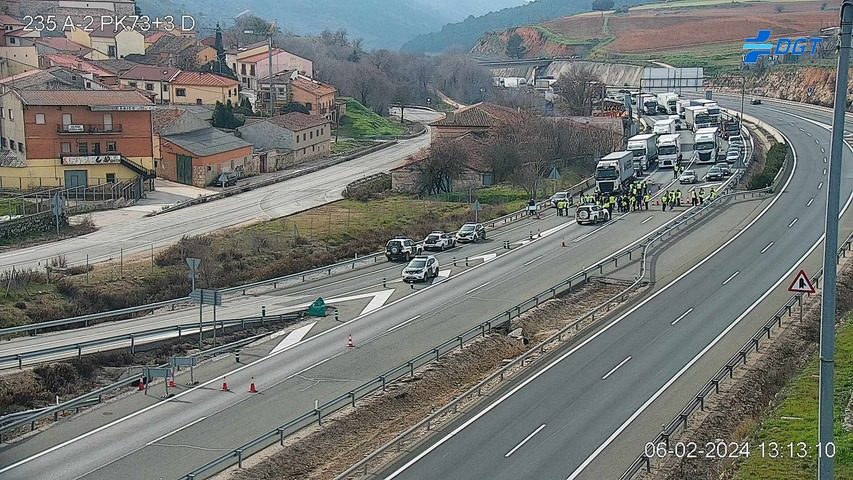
554,175
157,372
191,362
318,308
205,297
802,284
193,263
57,206
476,207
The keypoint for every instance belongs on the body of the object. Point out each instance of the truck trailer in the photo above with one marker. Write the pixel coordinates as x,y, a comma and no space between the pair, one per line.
705,145
690,114
645,150
667,102
615,172
669,150
664,127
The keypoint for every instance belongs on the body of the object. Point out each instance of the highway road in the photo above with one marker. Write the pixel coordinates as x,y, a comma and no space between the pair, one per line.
144,437
559,420
265,203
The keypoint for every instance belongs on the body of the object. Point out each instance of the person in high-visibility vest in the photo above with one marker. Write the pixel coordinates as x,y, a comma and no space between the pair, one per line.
701,196
713,194
646,199
694,198
663,200
678,197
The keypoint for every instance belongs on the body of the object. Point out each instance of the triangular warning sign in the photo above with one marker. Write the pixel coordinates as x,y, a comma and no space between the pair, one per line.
802,283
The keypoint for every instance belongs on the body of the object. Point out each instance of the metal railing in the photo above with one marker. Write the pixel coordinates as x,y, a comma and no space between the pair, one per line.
643,461
89,128
19,358
18,420
502,320
76,199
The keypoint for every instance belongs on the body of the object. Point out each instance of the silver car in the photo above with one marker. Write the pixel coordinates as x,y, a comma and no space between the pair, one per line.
421,269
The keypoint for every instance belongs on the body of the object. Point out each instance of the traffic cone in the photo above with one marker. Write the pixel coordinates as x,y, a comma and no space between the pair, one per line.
564,242
172,382
252,388
349,341
225,386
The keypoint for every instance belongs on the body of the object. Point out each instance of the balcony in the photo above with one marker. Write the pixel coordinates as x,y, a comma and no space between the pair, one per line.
89,128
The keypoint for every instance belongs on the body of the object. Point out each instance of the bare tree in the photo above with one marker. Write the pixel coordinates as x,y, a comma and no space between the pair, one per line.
577,89
443,165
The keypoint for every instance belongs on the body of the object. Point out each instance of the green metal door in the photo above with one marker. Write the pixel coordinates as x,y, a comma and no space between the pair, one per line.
76,178
185,169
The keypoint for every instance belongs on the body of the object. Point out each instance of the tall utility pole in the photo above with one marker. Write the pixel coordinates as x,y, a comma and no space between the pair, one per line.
269,61
825,466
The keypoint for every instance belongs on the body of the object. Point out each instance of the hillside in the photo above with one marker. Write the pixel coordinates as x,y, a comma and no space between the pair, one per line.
464,35
701,33
372,20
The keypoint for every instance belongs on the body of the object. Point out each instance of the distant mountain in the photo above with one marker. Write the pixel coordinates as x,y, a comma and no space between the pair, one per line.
381,23
464,35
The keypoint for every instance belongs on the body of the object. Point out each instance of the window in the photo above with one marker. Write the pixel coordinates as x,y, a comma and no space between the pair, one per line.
11,118
208,168
304,137
12,40
108,122
20,147
198,101
111,146
66,147
181,92
311,134
149,87
308,106
83,148
111,178
96,148
242,69
132,84
88,84
297,138
312,147
111,51
252,70
233,67
39,119
229,93
66,119
165,88
323,131
3,142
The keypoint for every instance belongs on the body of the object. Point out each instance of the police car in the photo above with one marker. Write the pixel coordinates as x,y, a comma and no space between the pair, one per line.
421,269
591,213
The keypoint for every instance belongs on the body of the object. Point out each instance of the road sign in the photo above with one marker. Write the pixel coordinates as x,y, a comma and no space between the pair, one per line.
476,206
57,205
156,372
183,361
810,90
555,174
193,263
206,297
802,283
318,308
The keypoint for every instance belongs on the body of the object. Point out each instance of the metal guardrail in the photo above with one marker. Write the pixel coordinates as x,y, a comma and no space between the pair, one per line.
19,358
502,320
274,282
727,370
20,419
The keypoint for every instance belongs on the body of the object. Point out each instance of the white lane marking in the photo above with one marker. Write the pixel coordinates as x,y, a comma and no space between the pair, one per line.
824,171
646,220
820,185
623,362
401,325
293,337
817,141
600,332
469,292
730,278
682,316
802,129
824,159
822,151
524,441
377,299
792,222
537,258
809,133
811,200
485,258
767,247
442,276
152,442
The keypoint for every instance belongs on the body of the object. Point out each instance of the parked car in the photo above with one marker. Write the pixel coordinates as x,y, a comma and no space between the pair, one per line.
725,168
230,179
471,232
421,269
732,156
689,176
402,249
558,197
439,240
756,101
714,173
591,213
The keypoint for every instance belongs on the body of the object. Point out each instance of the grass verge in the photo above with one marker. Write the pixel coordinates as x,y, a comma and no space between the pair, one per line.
775,160
361,122
348,147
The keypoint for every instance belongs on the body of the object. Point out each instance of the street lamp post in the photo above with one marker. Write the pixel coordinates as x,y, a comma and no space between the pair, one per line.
483,92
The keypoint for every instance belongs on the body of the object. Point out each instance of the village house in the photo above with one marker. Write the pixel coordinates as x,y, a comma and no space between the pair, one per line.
476,172
316,96
479,119
286,140
155,80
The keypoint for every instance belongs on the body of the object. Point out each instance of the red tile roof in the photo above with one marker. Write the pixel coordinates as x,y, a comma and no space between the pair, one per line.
105,31
76,63
18,32
153,36
482,114
64,45
260,56
83,98
313,86
151,72
204,79
297,121
10,20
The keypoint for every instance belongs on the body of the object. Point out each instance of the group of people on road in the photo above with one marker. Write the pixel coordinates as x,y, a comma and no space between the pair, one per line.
634,198
672,198
677,170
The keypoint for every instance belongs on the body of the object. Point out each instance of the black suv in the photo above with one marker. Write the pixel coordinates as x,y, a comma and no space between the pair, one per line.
402,249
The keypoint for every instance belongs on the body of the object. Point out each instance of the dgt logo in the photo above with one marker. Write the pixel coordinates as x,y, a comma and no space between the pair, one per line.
758,47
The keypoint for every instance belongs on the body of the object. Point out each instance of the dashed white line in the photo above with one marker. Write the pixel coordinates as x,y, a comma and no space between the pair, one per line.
820,185
802,129
623,362
682,316
809,133
537,258
767,247
822,151
792,223
469,292
817,141
646,220
524,441
730,278
824,158
824,171
811,200
401,325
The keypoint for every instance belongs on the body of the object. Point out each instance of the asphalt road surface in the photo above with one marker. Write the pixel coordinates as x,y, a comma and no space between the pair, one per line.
144,437
557,421
265,203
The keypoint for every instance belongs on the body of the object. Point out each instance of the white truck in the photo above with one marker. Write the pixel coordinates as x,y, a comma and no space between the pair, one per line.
649,104
669,150
511,82
615,172
712,108
667,102
705,145
664,127
645,150
690,114
680,106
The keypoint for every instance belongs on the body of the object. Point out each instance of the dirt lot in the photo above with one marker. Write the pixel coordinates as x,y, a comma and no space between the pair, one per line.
734,414
322,453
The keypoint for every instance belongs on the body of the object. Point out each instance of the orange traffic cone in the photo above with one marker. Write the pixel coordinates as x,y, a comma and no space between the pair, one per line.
252,388
349,341
225,385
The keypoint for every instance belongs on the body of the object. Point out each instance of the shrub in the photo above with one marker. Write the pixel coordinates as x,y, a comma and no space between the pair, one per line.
57,378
